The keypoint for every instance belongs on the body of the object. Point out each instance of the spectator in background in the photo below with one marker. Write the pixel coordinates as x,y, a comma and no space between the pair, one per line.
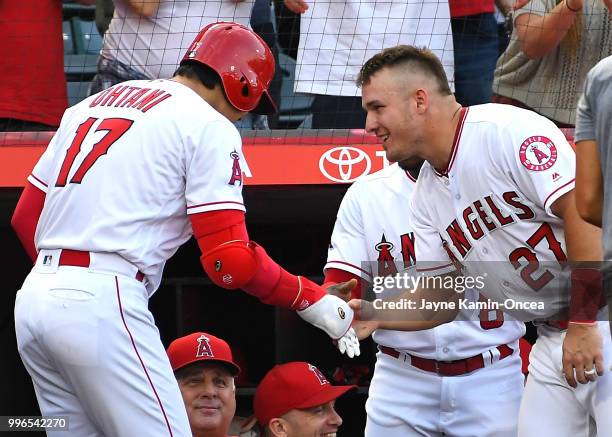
475,43
33,86
554,44
146,39
104,15
337,37
594,158
295,399
205,370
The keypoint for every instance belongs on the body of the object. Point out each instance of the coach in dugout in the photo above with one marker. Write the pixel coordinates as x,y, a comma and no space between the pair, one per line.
205,369
295,399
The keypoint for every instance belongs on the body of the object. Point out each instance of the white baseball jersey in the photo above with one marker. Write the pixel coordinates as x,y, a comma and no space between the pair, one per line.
368,242
126,167
492,207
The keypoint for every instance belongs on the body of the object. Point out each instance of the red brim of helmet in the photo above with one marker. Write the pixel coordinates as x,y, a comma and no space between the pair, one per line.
266,105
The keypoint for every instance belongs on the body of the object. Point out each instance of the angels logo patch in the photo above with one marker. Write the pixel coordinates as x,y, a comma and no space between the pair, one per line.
538,153
236,170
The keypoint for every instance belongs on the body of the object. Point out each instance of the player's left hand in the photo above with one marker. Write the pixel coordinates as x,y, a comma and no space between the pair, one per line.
349,344
582,353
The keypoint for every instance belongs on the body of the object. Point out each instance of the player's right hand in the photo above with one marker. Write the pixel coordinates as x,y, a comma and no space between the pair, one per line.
582,353
342,290
364,322
331,314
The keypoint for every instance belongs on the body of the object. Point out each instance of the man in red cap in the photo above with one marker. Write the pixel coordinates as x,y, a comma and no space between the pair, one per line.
205,371
295,399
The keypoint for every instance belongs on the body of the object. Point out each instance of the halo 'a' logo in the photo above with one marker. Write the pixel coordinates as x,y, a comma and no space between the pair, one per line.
344,164
538,153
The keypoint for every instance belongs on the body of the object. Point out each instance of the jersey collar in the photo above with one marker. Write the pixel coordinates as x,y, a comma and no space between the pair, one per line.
462,116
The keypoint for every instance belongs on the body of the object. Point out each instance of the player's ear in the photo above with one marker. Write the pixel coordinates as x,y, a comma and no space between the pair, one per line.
421,99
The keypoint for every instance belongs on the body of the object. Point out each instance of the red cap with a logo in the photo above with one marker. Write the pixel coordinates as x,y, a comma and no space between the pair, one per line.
295,385
201,346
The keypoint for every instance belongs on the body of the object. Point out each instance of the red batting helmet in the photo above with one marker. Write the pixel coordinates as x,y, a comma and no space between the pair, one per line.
243,61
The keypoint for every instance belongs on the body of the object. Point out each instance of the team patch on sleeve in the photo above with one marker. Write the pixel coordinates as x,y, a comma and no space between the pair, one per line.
538,153
236,170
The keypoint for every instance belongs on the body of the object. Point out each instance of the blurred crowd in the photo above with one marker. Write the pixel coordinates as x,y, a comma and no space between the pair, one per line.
529,53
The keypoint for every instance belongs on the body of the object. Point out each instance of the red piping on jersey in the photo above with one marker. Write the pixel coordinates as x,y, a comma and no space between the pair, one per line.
40,181
462,116
560,188
350,265
214,203
434,268
409,176
140,359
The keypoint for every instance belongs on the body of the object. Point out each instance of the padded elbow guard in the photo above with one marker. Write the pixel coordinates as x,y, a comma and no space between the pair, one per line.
233,264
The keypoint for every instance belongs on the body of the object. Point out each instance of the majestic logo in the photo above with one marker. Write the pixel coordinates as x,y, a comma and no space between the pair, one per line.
538,153
204,349
322,379
555,176
386,263
236,171
344,164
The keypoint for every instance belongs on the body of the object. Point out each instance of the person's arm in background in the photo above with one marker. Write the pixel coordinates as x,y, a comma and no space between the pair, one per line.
146,8
589,177
589,182
541,34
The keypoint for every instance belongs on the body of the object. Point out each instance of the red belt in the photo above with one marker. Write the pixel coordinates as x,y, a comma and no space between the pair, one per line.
79,258
448,368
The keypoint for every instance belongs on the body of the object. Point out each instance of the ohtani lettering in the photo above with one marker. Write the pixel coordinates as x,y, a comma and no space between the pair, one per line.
124,96
478,221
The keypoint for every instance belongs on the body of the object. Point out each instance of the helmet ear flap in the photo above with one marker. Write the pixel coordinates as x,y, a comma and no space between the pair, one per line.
242,60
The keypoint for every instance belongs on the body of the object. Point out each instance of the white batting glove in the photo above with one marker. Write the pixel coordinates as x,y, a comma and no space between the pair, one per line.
331,314
349,343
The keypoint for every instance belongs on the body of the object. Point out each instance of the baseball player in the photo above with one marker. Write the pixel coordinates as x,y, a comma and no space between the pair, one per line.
130,175
450,374
205,370
296,400
498,186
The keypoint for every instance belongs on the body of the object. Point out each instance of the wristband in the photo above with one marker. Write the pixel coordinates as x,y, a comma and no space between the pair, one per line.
586,294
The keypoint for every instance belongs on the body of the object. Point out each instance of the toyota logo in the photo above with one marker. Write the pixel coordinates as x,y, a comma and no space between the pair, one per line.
344,164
